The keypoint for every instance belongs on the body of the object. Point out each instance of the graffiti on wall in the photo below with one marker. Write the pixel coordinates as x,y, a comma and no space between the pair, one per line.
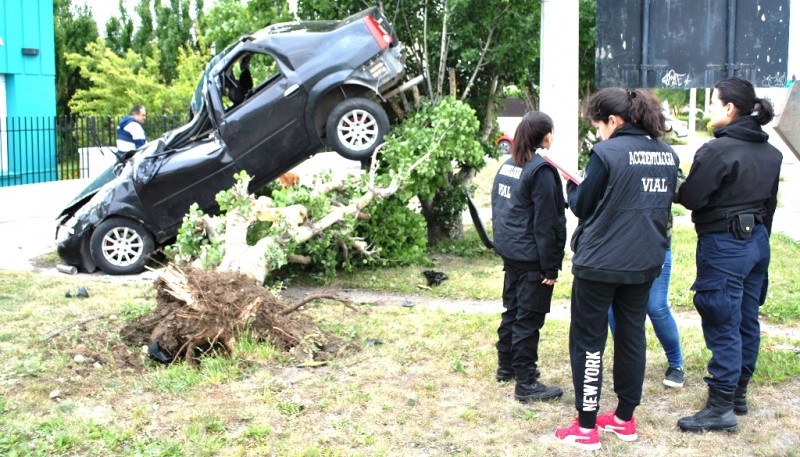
776,80
675,79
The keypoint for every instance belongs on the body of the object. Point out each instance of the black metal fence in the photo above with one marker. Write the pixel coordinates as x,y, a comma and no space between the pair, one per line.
46,148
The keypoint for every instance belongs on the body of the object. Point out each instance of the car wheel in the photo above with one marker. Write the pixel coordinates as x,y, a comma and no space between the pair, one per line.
120,246
504,147
355,127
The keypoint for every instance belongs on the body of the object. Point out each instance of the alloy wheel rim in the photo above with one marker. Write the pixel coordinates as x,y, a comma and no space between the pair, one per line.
122,246
358,129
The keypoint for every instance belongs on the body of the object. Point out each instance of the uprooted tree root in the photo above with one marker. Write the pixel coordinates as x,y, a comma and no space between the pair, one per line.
199,311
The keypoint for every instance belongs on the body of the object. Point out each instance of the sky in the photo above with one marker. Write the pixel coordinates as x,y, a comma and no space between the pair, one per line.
104,9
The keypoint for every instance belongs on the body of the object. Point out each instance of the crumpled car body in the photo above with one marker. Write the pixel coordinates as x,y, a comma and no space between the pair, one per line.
266,103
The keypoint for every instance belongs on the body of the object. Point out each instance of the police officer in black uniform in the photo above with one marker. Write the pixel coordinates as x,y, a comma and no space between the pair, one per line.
732,190
619,246
529,234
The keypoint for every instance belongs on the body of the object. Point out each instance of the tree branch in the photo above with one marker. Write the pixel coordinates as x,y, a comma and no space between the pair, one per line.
443,52
479,65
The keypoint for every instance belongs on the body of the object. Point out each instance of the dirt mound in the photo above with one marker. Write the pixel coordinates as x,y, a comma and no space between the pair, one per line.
199,311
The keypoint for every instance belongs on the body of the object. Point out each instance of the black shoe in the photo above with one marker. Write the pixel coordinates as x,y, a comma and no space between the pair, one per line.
529,388
505,370
504,374
740,397
536,391
717,414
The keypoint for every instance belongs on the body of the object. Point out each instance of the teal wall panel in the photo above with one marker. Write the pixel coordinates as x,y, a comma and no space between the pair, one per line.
27,59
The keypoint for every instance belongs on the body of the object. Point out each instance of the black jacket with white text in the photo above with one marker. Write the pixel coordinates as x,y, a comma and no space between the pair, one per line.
623,206
528,219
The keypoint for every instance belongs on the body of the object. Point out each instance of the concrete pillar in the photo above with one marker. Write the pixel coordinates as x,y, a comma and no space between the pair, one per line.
692,109
559,76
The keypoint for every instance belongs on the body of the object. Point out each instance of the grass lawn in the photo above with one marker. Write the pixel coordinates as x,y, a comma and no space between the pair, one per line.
417,381
423,385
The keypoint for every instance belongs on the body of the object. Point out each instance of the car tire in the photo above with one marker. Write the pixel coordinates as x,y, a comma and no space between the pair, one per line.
504,147
120,246
355,127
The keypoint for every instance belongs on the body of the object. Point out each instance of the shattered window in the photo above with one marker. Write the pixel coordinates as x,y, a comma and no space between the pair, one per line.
245,76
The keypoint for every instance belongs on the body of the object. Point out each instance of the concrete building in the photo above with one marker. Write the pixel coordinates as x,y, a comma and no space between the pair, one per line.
27,91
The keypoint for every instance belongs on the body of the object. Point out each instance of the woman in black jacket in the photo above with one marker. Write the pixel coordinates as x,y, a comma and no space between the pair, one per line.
732,190
530,231
619,246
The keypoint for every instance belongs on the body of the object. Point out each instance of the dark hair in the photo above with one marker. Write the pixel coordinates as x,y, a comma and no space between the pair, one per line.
636,106
532,129
741,93
137,109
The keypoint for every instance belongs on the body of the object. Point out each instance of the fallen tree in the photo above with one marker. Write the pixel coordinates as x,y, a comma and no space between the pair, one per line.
257,234
258,259
199,310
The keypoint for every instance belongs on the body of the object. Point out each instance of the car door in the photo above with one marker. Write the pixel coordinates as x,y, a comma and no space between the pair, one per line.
265,132
192,174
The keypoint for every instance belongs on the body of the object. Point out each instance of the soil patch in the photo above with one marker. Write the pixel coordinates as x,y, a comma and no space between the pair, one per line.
200,311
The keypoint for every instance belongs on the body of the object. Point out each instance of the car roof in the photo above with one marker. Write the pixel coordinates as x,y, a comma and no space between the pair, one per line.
293,43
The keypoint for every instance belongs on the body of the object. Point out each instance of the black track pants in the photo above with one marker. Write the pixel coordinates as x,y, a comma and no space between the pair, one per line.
587,340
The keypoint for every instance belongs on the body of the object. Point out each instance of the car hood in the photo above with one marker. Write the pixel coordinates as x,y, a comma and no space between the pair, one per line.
86,194
106,177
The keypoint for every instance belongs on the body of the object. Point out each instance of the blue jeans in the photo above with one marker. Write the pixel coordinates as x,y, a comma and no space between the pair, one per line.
731,278
660,315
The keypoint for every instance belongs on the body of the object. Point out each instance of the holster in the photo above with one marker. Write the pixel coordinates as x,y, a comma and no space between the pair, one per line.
742,225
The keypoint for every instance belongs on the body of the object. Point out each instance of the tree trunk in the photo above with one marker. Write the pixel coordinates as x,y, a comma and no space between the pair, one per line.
491,104
442,54
437,231
252,260
441,226
531,98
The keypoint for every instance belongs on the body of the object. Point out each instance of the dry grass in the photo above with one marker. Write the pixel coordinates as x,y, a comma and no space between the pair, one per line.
427,389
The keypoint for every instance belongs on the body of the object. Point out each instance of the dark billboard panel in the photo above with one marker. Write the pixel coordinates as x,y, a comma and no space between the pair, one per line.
691,43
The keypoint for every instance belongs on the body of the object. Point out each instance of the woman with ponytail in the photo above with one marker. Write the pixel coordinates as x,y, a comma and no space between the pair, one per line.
619,245
732,190
530,231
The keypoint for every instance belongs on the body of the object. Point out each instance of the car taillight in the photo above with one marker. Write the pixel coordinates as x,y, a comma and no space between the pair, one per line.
382,37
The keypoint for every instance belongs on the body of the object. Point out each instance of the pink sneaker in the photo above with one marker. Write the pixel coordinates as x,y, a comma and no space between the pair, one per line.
573,436
625,431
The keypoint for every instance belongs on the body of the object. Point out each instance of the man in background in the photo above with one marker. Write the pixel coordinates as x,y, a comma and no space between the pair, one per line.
130,133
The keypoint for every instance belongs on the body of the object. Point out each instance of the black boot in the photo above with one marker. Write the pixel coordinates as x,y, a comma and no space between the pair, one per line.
740,397
505,371
529,388
717,415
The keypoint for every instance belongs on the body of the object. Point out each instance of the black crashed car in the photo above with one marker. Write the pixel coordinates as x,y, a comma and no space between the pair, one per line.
266,103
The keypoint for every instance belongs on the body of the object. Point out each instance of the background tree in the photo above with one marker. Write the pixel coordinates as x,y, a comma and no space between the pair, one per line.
174,33
143,37
586,44
229,20
74,29
677,99
119,82
119,32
